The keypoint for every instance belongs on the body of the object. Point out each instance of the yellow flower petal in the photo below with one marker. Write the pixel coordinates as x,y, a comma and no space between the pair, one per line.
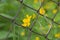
29,17
24,24
28,24
37,38
42,11
26,21
57,35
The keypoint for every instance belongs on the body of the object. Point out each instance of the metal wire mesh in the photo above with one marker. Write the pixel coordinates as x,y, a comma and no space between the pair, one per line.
37,11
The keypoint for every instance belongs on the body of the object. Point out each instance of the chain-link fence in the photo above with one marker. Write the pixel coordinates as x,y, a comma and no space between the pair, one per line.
47,19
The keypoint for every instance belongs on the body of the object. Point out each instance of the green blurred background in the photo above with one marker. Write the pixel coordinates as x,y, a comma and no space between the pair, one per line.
9,8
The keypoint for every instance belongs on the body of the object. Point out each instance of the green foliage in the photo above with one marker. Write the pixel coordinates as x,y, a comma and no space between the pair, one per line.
8,10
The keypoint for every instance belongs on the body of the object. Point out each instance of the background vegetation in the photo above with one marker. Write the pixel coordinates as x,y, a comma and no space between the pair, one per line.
44,24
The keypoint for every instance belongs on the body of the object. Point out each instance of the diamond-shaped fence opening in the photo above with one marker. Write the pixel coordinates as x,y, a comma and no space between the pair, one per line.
47,19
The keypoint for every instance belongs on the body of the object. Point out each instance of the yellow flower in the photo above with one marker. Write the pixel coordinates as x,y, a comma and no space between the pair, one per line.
42,11
26,24
29,17
26,21
22,33
35,1
54,11
37,38
57,35
33,16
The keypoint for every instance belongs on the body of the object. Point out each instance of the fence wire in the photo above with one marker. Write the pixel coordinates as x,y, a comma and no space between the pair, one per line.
31,27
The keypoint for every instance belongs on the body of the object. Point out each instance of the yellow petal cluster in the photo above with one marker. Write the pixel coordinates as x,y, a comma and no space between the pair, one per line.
26,21
37,38
57,35
42,11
